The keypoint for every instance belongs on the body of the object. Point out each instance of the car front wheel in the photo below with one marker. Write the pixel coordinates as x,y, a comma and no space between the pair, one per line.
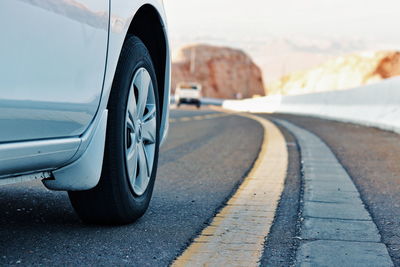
132,143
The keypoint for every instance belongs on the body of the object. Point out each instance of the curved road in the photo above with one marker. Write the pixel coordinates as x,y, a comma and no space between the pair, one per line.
203,161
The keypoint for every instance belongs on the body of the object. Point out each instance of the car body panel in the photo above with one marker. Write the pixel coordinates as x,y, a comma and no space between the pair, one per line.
71,119
53,56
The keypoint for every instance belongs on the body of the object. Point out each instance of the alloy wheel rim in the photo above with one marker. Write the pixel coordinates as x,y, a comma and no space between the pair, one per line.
140,131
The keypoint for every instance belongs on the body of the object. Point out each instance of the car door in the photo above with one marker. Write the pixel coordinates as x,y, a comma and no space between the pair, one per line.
52,63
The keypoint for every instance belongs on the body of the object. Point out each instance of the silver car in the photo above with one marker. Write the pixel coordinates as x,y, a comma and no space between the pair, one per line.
84,99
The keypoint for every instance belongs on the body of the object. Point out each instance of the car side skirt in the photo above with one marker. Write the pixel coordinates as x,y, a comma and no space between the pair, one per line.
23,157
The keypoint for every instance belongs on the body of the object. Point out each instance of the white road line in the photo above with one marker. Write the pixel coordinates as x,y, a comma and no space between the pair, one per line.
199,117
236,235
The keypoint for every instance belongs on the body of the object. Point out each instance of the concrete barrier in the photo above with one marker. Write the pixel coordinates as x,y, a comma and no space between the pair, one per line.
376,105
212,101
204,101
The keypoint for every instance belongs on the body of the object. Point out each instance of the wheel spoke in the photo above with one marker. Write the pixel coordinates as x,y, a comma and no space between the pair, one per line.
143,178
129,123
130,133
132,106
150,113
143,83
131,162
149,126
143,161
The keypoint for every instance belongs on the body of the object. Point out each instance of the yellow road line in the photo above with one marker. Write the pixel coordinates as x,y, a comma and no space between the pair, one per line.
237,233
210,116
185,119
198,118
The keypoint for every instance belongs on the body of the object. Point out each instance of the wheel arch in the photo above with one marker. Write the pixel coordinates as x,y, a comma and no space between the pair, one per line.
147,25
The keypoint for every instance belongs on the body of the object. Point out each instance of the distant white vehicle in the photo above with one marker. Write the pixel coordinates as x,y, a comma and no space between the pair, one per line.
188,93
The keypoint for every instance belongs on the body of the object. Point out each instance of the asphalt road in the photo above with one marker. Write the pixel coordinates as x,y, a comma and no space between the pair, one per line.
201,164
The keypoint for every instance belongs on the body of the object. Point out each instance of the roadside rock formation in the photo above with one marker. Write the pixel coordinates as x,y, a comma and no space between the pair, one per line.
341,73
223,72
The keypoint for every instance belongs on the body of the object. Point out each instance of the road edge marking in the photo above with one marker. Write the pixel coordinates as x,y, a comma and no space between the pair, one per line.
236,235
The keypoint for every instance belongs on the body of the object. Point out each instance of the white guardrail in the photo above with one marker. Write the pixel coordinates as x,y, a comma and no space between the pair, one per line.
376,105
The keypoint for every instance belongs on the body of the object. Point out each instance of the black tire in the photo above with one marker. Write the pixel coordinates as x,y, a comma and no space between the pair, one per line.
198,105
112,201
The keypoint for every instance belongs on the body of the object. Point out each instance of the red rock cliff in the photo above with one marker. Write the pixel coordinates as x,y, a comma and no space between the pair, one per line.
223,72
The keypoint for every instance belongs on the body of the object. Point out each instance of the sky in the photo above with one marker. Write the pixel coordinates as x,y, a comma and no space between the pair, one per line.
271,31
